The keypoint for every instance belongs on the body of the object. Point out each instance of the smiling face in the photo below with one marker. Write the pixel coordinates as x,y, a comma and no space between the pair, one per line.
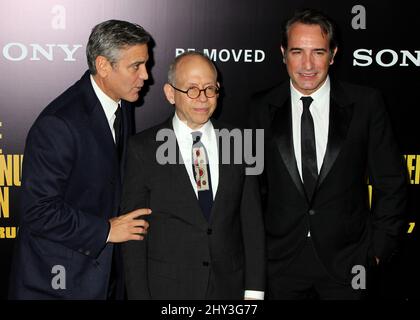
125,78
193,71
307,57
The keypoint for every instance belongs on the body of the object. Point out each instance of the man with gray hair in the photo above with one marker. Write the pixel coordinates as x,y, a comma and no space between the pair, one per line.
72,176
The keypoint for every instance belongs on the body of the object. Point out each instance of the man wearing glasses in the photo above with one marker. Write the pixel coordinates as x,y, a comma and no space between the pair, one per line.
206,235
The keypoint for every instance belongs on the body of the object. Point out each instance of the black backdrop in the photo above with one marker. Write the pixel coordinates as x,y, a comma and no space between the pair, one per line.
42,47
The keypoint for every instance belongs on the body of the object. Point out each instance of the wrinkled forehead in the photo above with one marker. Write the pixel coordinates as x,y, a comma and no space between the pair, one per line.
195,66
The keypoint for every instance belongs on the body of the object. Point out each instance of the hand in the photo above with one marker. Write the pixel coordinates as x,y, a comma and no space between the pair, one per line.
126,227
377,260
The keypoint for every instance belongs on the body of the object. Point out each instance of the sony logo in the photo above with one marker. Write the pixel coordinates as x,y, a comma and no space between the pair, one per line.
15,51
386,58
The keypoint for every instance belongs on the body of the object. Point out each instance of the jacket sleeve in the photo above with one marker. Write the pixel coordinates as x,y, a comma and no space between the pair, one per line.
253,235
47,168
389,182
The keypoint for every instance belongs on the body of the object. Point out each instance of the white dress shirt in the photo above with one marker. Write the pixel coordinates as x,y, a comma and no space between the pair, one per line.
185,142
320,111
209,139
109,105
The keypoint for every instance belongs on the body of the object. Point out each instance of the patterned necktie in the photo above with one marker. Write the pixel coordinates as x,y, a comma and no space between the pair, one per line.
201,172
309,163
118,129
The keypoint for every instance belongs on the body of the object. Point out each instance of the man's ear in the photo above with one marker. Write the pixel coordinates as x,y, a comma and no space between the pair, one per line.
333,55
169,93
103,66
283,52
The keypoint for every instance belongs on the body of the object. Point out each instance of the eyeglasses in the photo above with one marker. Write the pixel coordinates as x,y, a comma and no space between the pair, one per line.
195,92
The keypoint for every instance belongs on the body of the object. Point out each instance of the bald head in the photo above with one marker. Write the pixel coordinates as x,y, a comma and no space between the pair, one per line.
192,88
185,59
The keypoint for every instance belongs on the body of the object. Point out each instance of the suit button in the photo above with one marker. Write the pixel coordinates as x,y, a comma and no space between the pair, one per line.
206,263
311,212
209,231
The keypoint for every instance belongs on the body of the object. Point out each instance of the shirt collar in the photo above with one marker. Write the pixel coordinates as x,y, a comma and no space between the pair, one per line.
183,132
109,105
318,94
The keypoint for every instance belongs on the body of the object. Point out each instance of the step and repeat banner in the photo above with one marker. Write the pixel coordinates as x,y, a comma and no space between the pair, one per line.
42,52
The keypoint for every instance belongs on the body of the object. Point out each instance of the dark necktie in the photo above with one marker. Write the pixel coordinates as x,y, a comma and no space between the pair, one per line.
118,129
201,172
309,164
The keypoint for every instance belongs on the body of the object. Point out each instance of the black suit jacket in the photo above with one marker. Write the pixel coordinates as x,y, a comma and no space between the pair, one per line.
345,232
71,187
183,255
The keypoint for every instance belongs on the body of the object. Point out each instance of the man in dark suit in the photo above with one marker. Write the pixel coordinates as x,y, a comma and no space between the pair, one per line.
324,139
72,176
205,239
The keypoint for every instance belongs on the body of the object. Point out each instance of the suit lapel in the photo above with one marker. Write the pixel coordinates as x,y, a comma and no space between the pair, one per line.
99,125
180,175
283,137
224,172
341,111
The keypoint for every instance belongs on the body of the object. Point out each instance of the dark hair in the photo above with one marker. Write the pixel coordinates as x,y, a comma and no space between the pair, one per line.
109,37
312,17
174,64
